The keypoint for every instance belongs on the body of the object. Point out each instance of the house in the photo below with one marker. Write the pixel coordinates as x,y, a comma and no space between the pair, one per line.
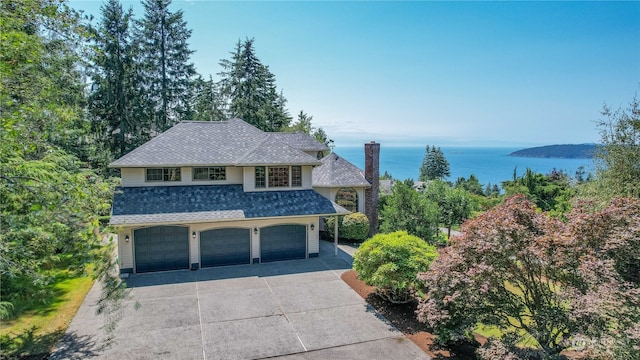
218,193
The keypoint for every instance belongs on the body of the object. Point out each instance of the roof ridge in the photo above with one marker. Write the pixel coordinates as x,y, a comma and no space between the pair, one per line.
248,152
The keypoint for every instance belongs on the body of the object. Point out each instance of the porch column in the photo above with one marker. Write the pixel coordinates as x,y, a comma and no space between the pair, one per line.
335,236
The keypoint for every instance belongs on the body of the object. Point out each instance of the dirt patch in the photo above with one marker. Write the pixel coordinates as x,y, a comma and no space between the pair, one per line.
403,317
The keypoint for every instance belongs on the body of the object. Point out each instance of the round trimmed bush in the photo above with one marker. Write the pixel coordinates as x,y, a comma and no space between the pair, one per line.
391,262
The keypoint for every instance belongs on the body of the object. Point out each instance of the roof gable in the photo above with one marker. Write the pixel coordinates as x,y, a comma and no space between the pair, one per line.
336,171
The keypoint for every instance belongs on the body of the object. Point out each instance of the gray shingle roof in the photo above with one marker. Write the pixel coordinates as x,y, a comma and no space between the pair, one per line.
272,151
213,143
300,141
162,204
336,171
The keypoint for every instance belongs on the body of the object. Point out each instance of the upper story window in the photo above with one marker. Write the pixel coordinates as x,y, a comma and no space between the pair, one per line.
278,176
210,173
163,174
261,180
296,176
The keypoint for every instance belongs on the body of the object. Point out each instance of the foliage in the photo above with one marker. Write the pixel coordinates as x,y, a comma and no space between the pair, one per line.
38,323
354,226
434,165
209,104
471,185
116,103
391,261
303,124
455,204
50,202
167,75
529,274
549,192
409,210
618,159
249,90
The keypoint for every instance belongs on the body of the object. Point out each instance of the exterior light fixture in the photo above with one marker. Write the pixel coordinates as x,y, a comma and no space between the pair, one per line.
193,235
255,230
312,227
126,238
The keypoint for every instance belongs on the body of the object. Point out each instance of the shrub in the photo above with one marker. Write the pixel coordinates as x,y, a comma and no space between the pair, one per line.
354,226
391,262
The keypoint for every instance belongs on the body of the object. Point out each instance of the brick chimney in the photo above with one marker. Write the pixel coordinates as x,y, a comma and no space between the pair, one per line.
372,174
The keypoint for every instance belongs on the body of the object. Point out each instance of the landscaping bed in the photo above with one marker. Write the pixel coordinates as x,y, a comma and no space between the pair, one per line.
403,317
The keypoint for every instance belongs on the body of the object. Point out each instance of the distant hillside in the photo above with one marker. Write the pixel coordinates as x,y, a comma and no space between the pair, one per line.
581,151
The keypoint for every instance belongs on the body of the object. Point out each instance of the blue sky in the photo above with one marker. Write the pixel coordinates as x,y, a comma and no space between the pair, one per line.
443,73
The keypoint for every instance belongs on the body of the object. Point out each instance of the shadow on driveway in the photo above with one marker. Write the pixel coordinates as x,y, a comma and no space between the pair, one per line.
325,261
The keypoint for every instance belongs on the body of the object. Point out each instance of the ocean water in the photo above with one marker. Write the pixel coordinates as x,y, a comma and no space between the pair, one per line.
489,165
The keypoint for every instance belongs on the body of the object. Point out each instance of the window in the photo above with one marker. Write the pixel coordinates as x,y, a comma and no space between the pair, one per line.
210,173
348,199
261,180
279,176
296,176
163,174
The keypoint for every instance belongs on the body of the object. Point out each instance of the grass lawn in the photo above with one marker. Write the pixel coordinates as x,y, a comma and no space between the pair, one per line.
37,325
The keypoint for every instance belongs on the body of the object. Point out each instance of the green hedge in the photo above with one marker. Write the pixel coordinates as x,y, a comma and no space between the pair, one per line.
354,226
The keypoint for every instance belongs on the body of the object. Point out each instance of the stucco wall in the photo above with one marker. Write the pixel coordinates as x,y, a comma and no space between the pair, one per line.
136,177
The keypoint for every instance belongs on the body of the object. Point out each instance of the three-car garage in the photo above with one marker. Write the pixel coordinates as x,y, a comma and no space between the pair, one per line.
161,248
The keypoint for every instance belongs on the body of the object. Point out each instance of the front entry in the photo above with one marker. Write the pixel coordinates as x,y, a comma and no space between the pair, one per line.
283,242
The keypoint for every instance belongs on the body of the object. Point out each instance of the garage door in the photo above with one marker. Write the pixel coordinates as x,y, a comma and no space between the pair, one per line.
225,247
161,248
283,242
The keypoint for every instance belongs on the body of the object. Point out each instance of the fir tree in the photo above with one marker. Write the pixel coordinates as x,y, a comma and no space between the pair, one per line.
208,104
164,53
250,91
115,102
434,165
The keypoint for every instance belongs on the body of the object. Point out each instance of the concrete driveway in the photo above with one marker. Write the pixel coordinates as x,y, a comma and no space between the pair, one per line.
286,310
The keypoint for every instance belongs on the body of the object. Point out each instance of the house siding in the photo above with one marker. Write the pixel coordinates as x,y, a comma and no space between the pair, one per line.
125,249
136,177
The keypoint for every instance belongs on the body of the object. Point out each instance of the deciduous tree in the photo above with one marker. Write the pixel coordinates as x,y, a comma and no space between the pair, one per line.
408,210
618,158
526,273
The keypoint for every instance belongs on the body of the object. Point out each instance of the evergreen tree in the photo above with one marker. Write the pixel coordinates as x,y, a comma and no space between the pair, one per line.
208,104
434,165
164,54
250,91
115,102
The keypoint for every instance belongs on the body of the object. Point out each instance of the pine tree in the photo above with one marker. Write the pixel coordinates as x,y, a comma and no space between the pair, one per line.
208,104
434,165
164,53
250,91
115,102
